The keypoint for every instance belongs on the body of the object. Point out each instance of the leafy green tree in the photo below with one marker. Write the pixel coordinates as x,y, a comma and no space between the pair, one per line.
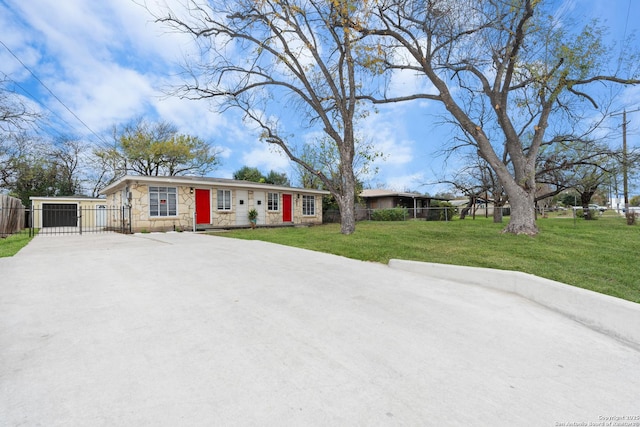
155,149
277,178
33,177
254,174
158,149
247,173
591,178
569,198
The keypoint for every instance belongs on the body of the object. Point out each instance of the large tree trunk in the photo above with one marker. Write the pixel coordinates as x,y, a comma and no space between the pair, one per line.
347,216
498,203
497,213
585,198
346,200
523,212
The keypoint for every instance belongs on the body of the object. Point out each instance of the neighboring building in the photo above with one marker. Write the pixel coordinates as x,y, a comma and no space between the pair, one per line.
66,211
417,204
162,203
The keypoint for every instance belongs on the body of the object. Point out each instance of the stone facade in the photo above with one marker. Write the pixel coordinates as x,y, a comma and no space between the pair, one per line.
133,193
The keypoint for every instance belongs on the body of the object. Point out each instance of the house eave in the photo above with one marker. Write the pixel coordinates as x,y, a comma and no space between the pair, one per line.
67,198
205,182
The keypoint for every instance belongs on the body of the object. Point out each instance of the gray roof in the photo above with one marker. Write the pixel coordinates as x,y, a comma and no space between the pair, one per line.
199,180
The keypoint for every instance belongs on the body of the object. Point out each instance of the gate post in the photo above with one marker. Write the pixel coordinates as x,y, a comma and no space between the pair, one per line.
32,232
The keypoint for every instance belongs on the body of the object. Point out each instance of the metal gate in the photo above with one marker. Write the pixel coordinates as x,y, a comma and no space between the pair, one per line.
74,219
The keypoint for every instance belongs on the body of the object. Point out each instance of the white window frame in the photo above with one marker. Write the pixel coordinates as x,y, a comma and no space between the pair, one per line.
273,202
220,201
171,200
308,204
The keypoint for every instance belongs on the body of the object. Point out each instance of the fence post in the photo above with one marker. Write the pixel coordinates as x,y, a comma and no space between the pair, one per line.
80,218
130,225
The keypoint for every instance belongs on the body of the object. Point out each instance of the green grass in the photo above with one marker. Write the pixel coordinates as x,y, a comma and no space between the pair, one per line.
11,245
599,255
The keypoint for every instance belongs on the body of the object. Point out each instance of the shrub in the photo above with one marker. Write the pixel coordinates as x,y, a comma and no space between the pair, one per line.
395,214
580,214
440,211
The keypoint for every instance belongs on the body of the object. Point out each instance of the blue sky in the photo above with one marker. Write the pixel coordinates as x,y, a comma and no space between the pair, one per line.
107,62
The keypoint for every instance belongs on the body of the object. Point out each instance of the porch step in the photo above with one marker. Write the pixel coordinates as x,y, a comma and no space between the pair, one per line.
209,227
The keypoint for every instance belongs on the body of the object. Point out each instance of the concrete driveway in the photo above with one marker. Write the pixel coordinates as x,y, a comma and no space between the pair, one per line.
182,329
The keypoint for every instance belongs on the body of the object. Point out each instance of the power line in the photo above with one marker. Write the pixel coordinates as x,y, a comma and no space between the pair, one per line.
624,36
6,77
51,92
626,22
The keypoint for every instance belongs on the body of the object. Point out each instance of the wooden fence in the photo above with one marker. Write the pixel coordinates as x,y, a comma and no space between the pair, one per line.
11,215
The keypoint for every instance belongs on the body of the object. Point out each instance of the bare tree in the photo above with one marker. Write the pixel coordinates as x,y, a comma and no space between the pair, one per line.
66,157
13,148
508,74
477,180
275,58
14,112
29,164
579,164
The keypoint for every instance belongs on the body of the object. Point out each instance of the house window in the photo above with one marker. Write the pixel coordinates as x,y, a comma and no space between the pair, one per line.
273,201
163,201
224,200
308,205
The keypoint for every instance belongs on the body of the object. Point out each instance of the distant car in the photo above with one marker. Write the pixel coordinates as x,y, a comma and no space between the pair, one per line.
592,207
597,208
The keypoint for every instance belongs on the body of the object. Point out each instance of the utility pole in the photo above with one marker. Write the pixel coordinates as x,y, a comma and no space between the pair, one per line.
625,167
625,177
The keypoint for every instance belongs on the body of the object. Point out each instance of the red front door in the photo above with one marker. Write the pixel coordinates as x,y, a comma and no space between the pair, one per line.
203,207
286,208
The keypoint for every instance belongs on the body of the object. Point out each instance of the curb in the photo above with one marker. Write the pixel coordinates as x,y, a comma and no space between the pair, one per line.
614,316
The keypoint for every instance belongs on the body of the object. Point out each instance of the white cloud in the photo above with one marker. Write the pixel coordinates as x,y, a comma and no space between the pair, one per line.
387,133
405,182
193,117
103,95
630,98
266,157
409,82
109,61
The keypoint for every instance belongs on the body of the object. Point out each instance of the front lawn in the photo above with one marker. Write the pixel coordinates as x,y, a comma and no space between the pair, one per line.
599,255
10,246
